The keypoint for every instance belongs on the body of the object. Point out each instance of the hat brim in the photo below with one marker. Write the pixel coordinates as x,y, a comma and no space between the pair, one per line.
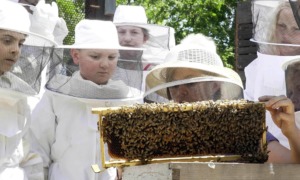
155,78
292,60
33,39
98,46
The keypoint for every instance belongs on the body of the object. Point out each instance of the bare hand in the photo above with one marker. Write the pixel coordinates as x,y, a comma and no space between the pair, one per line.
282,111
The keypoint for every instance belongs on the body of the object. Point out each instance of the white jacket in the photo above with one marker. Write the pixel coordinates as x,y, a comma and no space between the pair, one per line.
16,160
265,76
67,136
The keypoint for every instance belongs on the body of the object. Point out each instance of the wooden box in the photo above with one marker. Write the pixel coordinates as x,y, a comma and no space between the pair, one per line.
212,171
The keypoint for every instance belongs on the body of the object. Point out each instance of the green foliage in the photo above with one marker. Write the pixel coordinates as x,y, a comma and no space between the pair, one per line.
72,12
214,18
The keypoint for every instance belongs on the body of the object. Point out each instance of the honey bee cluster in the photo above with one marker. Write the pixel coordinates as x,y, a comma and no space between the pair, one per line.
147,131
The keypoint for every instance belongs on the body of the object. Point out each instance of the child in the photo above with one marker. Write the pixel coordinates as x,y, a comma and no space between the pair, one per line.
278,38
284,111
16,160
134,31
65,129
193,72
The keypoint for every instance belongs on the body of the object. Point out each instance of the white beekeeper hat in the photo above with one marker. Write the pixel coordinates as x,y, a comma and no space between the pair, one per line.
194,56
20,23
128,15
96,34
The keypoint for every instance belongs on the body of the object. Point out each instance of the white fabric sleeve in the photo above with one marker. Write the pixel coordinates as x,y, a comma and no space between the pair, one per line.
43,129
250,76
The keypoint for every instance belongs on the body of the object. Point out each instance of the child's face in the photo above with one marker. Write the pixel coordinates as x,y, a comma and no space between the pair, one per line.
293,88
131,36
10,48
96,65
192,92
287,32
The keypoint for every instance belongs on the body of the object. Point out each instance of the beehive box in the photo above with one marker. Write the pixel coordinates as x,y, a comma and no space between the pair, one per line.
212,171
202,131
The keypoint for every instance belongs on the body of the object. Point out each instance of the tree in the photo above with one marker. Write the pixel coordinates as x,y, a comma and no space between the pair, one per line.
214,18
72,12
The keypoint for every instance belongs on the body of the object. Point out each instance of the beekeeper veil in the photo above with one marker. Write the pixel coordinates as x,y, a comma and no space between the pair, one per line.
86,69
276,33
275,27
23,56
135,31
193,72
292,72
16,73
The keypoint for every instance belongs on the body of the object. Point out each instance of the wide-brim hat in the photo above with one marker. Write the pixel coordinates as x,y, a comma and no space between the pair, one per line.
157,76
96,34
192,57
20,23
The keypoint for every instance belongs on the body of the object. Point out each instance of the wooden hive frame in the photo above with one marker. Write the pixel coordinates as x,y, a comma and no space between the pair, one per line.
167,108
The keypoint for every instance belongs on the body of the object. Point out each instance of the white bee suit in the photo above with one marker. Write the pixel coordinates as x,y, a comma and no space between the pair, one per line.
264,76
67,135
16,159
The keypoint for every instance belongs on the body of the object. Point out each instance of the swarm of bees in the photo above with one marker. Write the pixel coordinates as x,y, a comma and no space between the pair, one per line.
147,131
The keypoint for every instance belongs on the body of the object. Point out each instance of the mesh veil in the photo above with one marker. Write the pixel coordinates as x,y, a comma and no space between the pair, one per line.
292,73
275,27
65,78
160,41
277,35
25,74
196,69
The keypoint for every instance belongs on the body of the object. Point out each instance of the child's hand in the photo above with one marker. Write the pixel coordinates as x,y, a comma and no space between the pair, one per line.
282,112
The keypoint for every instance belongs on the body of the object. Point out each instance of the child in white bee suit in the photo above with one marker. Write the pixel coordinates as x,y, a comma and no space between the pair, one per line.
278,37
134,31
284,111
64,127
16,159
45,21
